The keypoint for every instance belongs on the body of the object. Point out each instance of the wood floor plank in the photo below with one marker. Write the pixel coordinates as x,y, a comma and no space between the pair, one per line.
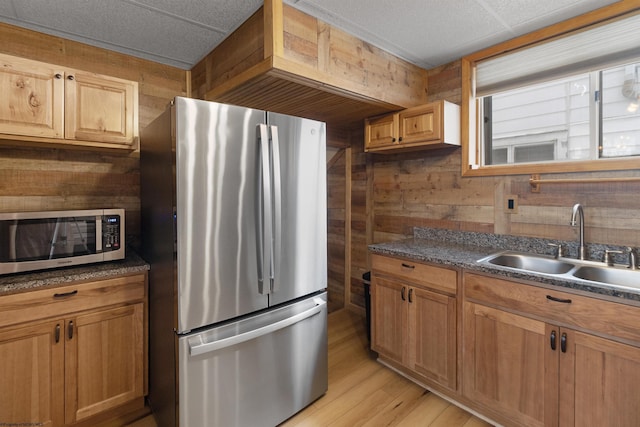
429,408
398,408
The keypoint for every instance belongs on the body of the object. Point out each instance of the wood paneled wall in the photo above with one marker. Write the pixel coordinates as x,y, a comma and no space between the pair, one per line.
361,216
336,215
53,179
425,189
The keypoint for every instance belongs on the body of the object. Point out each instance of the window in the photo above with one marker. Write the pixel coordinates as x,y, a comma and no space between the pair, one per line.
587,116
565,98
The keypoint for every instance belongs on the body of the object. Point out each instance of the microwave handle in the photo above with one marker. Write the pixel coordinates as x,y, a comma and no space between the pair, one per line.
99,234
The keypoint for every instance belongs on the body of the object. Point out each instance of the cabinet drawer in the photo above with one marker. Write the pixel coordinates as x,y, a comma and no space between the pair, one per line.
590,314
67,299
437,278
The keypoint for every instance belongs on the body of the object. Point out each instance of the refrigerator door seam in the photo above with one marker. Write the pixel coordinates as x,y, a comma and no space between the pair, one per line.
195,350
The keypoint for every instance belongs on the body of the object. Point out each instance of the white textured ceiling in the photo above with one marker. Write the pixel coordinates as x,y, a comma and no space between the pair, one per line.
180,32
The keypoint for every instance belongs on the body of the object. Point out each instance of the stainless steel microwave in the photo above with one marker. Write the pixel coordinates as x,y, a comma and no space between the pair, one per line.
32,241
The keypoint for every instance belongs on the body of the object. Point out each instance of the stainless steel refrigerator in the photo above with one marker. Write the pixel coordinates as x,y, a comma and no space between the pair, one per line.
234,227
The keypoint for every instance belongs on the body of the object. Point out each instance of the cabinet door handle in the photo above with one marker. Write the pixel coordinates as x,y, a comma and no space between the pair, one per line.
562,300
410,294
400,139
393,139
58,76
563,343
57,333
65,294
70,77
408,266
70,329
553,340
402,293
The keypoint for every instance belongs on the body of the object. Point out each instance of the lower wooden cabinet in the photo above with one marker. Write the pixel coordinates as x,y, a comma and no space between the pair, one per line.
414,324
65,369
104,363
522,368
32,374
504,365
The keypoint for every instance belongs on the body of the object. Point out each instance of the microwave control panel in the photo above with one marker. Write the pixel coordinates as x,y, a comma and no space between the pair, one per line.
110,232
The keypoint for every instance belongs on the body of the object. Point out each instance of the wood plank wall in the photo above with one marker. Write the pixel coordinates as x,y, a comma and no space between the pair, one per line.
360,217
425,189
53,179
336,213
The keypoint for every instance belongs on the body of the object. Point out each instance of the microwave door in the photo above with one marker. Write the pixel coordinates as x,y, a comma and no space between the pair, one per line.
54,239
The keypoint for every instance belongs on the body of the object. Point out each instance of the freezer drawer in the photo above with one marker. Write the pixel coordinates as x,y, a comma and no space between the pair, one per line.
255,372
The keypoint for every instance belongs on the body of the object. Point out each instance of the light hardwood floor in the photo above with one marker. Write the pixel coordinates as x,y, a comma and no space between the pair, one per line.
362,392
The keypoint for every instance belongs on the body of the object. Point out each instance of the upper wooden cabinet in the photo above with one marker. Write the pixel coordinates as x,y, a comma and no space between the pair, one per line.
433,125
100,108
51,104
31,98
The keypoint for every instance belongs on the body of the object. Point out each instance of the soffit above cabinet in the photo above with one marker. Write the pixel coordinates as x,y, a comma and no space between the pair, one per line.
284,60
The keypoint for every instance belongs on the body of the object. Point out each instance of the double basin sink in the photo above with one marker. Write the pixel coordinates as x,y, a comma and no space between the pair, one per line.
567,268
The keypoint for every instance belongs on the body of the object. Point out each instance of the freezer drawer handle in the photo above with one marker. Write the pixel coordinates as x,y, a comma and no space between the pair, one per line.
195,350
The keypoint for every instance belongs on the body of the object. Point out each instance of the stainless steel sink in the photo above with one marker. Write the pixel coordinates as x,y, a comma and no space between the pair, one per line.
530,262
609,275
565,268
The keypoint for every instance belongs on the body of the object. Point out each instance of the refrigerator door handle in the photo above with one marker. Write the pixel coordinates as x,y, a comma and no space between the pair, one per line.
202,348
277,207
264,212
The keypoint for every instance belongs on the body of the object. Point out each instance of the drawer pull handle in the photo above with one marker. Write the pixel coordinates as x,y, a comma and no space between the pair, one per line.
402,293
553,340
57,333
563,343
562,300
65,294
411,295
408,266
70,329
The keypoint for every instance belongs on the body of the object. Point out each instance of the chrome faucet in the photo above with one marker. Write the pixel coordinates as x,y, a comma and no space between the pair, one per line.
577,210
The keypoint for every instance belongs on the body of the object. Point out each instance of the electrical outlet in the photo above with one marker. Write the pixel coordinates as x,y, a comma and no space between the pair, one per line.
511,204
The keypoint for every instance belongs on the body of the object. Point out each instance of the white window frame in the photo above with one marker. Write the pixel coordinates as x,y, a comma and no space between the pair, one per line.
607,17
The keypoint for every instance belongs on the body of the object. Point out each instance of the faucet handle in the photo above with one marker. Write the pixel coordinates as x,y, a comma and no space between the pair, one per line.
633,258
608,259
560,249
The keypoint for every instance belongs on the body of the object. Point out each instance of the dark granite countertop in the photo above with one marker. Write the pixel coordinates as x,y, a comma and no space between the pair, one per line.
463,250
21,282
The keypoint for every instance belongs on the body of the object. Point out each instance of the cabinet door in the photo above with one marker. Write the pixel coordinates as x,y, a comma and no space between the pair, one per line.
389,314
381,132
31,98
104,360
420,124
100,108
32,375
599,382
432,339
509,367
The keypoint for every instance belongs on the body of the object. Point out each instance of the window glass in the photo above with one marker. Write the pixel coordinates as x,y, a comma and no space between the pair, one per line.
586,116
620,111
551,119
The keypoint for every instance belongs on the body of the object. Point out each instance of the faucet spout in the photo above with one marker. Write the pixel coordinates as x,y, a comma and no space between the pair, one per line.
577,211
